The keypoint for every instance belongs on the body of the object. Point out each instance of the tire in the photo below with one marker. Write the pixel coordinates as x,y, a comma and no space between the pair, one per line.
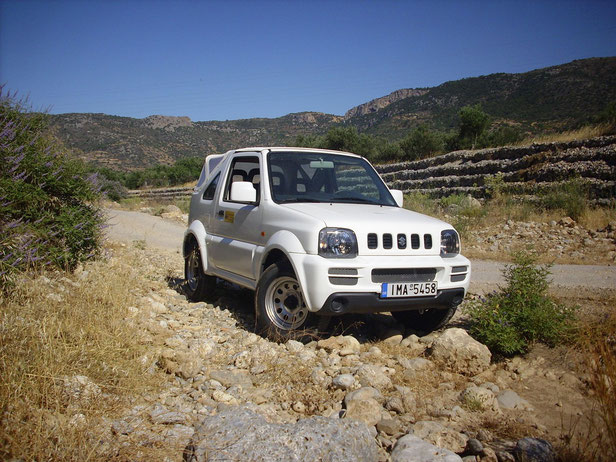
197,284
281,313
425,322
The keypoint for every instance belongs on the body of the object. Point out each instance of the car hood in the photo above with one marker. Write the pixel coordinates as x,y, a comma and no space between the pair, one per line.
376,225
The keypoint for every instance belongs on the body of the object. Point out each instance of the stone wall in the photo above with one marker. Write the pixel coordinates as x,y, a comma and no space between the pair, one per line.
525,169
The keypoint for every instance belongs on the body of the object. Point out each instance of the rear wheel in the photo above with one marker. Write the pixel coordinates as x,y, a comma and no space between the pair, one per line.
197,283
281,312
424,322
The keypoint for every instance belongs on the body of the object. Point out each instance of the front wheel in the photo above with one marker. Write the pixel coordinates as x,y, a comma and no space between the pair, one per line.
425,322
281,312
197,283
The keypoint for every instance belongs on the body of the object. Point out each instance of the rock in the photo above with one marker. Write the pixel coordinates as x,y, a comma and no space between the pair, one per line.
229,378
241,360
504,456
392,337
372,375
439,435
395,404
343,381
533,450
478,398
293,346
345,345
366,410
460,352
238,434
80,388
415,364
509,399
363,393
162,415
388,426
488,455
189,364
410,448
473,447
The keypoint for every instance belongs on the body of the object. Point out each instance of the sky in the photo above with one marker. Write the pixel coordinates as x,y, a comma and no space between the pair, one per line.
236,59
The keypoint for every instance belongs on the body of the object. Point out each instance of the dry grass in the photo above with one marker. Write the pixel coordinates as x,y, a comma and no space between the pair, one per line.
52,329
595,438
563,137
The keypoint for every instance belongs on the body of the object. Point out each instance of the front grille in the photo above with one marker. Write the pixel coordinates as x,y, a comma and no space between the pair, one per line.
403,275
401,241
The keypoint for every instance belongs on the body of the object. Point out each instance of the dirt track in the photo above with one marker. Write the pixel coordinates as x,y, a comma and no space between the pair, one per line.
125,226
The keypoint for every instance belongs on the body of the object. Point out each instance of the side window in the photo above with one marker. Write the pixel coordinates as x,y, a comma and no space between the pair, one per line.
209,192
244,169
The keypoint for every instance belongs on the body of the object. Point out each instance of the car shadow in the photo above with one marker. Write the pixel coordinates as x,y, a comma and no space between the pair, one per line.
366,328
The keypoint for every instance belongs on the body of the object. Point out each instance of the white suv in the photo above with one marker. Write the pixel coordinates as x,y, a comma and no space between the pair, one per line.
317,233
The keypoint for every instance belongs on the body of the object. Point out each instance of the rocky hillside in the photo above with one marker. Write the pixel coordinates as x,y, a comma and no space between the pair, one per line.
125,143
545,99
384,101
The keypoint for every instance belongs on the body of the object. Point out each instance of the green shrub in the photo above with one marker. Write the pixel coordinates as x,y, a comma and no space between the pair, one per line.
570,196
421,203
510,320
47,216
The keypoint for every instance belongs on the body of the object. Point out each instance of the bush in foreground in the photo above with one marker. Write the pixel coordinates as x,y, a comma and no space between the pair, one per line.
47,216
510,320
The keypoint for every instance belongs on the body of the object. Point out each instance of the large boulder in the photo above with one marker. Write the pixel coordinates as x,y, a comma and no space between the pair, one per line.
410,448
460,352
534,450
239,434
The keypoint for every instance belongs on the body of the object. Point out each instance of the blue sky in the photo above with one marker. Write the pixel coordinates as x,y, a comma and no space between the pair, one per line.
215,60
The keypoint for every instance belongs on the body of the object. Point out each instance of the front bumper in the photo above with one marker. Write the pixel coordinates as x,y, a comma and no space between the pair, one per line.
343,303
328,283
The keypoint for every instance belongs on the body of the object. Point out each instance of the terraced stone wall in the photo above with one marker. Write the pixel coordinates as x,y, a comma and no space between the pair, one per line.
525,170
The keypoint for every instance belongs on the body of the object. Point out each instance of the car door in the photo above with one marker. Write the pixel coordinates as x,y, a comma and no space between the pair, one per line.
236,226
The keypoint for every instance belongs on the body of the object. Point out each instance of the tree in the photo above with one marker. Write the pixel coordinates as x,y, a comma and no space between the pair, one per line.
473,122
421,143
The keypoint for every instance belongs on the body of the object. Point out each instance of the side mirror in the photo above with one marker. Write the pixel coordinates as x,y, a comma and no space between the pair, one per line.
398,196
243,191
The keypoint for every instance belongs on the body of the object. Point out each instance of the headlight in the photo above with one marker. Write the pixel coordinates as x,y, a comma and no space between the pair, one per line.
337,243
450,243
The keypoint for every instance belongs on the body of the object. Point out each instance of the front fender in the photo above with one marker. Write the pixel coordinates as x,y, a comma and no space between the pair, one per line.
287,243
197,231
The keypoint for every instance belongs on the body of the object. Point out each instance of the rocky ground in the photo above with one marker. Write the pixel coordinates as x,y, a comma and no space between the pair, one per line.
371,391
562,241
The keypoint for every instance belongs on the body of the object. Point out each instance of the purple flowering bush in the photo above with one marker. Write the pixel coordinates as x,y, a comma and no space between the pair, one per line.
48,211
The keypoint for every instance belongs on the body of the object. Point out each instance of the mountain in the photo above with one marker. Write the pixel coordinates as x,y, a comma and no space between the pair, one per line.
125,143
557,97
552,98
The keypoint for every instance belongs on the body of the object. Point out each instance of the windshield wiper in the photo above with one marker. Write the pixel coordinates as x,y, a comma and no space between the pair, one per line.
298,199
355,200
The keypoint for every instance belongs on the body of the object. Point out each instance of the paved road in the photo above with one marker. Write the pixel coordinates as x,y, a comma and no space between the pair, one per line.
136,226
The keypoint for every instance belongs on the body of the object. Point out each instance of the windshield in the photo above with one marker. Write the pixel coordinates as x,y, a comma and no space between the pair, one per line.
318,177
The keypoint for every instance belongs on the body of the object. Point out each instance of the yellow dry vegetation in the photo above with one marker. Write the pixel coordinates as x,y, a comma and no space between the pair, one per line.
69,358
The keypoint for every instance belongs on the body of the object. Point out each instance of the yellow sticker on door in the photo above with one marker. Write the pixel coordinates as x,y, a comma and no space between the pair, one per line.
229,216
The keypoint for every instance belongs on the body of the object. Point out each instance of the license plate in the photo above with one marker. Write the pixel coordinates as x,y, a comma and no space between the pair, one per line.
408,289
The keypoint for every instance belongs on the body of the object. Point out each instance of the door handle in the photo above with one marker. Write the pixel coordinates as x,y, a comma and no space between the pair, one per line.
221,213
